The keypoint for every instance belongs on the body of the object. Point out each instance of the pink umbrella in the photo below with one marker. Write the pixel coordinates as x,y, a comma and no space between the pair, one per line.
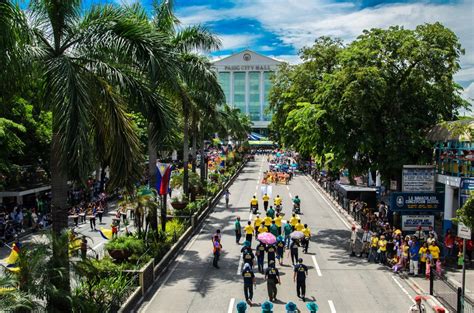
267,238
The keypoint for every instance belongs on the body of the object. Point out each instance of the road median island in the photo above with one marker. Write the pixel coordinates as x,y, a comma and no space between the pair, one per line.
141,292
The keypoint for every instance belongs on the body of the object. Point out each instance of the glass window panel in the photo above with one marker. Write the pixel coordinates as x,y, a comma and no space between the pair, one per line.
267,86
254,96
239,91
224,81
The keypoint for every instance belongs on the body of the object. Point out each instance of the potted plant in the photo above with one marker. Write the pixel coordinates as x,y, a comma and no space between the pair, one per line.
123,247
179,203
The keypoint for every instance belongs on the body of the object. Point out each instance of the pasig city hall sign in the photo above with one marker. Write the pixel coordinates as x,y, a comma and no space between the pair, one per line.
247,68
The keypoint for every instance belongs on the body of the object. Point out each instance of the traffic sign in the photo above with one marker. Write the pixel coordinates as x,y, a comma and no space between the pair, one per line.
464,231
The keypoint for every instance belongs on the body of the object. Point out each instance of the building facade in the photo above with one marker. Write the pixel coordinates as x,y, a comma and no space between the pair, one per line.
245,80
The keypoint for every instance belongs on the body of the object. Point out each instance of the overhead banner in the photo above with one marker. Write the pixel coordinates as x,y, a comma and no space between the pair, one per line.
163,173
418,178
466,190
411,222
403,201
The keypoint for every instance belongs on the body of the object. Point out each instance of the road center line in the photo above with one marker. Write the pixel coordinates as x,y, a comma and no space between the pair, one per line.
291,197
239,268
331,306
330,205
403,289
318,270
231,305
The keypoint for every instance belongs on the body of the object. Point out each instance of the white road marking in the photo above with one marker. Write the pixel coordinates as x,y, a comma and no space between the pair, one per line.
403,289
287,187
231,306
329,204
256,187
291,197
318,270
331,306
239,268
250,217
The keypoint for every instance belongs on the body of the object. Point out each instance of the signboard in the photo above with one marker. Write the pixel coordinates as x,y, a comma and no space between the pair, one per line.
393,185
467,188
464,231
418,178
403,201
411,222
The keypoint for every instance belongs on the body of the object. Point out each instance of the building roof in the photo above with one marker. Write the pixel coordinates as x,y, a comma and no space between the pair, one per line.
246,56
452,131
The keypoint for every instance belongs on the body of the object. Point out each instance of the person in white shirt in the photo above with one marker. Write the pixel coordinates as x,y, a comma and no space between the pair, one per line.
418,307
432,231
353,240
366,238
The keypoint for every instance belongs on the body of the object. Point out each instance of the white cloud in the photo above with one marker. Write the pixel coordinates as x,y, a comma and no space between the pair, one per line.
231,42
299,22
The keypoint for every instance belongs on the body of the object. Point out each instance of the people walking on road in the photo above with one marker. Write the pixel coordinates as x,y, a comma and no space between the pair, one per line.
294,251
267,221
287,231
273,229
307,237
293,221
249,282
254,205
260,252
280,246
218,234
249,257
272,276
238,230
271,254
227,198
278,219
262,229
299,226
256,224
249,232
271,212
216,251
353,240
265,199
299,276
418,307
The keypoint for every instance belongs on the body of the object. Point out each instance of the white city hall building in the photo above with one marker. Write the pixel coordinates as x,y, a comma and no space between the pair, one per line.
245,80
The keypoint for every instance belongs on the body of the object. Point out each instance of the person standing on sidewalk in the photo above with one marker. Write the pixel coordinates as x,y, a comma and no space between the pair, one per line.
414,256
227,198
238,230
249,282
382,251
353,240
366,237
272,276
299,276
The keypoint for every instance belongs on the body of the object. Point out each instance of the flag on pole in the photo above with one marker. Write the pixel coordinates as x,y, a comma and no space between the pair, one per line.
163,174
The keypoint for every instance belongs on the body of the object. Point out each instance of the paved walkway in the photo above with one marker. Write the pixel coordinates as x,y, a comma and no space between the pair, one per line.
337,282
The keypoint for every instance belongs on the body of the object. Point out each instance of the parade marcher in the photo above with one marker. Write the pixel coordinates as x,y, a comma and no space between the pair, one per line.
287,230
280,245
273,229
418,307
293,221
249,232
290,307
307,237
267,220
299,276
216,251
272,276
277,203
262,229
248,257
265,199
271,254
271,212
256,223
267,307
353,240
241,307
254,204
299,226
312,307
249,282
294,251
238,230
260,252
278,219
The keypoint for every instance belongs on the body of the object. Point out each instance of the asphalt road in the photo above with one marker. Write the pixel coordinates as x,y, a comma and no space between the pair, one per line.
337,282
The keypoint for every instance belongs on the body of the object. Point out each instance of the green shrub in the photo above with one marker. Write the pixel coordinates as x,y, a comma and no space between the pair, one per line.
135,245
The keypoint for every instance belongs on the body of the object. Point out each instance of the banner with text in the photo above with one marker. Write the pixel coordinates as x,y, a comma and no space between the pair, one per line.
411,222
403,201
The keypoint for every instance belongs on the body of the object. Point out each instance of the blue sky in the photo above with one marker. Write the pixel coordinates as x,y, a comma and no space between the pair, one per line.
279,28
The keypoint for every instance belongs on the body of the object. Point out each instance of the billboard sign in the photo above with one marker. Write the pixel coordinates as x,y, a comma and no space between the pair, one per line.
404,201
418,178
411,222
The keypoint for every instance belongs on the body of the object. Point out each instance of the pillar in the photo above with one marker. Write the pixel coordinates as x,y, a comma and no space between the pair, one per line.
448,207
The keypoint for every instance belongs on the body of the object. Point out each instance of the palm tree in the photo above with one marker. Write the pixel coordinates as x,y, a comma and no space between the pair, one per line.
195,72
91,65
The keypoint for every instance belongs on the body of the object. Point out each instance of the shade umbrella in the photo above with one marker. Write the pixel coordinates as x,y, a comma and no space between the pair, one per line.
267,238
296,235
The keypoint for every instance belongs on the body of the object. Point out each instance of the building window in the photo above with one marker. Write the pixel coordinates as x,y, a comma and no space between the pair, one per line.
239,91
267,86
254,96
224,81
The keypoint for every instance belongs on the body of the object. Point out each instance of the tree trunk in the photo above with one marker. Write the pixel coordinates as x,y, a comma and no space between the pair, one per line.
203,162
163,212
59,271
152,156
186,151
195,139
103,174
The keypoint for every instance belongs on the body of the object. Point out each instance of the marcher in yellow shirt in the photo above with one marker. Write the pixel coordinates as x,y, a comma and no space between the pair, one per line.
256,223
306,231
262,229
307,237
278,219
267,221
299,226
277,200
249,231
294,220
265,199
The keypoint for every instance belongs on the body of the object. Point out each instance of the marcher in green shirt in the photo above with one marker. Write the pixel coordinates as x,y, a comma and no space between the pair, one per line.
288,230
273,229
271,212
238,230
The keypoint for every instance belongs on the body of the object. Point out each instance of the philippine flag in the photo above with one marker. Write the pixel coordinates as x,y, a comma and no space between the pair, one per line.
163,173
